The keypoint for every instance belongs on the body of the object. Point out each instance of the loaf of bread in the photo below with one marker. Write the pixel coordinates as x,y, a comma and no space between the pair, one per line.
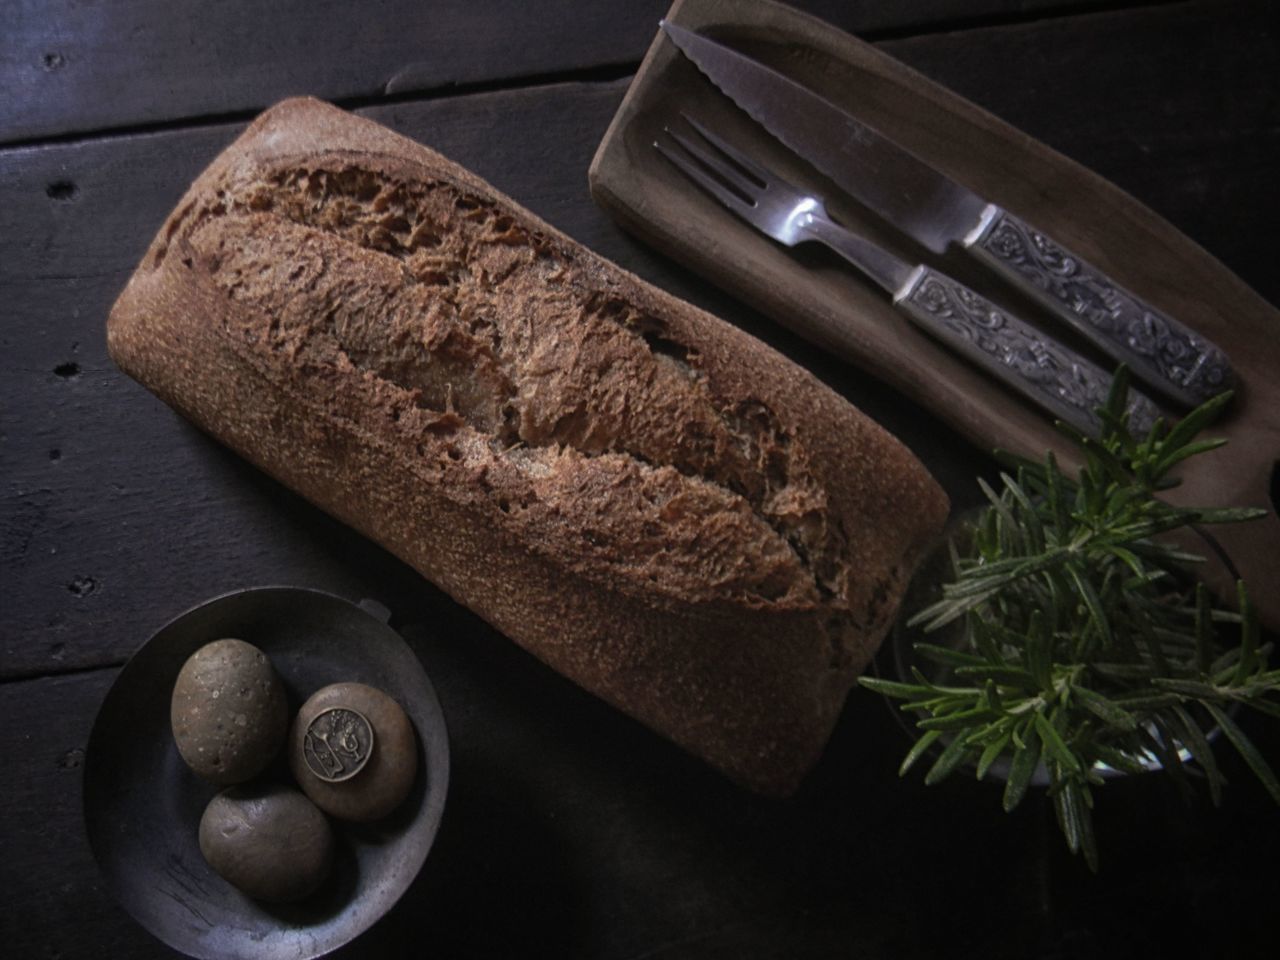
654,503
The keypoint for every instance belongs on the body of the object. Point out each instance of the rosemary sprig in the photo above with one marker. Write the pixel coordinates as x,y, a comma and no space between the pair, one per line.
1083,639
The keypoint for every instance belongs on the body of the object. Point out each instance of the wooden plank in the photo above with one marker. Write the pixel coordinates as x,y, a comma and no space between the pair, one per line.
1090,59
68,67
572,827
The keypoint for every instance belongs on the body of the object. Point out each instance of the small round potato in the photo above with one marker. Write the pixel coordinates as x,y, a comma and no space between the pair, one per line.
229,711
353,751
270,842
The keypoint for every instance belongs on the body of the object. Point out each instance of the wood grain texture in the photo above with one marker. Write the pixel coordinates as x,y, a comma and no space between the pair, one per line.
823,299
67,66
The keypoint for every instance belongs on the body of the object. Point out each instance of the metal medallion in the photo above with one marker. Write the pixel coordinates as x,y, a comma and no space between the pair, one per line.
338,744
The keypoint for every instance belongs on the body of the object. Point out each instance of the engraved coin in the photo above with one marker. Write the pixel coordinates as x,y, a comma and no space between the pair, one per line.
338,744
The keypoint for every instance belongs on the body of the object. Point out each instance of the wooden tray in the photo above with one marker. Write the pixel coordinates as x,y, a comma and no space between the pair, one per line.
821,299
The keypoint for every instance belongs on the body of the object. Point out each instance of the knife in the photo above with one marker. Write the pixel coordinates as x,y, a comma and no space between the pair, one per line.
936,211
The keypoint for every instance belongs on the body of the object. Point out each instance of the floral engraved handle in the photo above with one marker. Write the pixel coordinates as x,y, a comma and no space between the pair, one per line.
1059,380
1168,356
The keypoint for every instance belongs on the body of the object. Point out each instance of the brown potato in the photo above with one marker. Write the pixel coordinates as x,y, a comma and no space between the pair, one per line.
229,712
270,842
351,770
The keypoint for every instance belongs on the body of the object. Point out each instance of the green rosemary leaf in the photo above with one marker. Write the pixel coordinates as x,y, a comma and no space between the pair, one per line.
1116,470
951,757
987,535
1026,756
1123,671
1248,662
1054,745
1161,554
1125,499
1175,457
1244,746
1073,806
1119,760
1179,642
1010,676
1068,818
1226,616
1082,801
1193,738
892,688
991,698
918,750
958,720
1130,559
1028,516
1157,741
1189,426
1147,701
1076,437
981,637
992,752
1056,486
1151,646
997,503
1145,529
1105,709
1137,585
1190,688
1229,514
946,691
1113,408
1097,615
1155,432
947,703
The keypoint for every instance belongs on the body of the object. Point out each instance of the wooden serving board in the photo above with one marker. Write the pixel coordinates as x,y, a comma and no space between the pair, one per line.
817,296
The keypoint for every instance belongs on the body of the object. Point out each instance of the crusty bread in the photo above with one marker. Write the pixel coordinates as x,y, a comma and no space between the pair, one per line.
652,502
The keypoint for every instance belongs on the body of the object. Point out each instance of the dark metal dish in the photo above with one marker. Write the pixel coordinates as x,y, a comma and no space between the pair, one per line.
142,804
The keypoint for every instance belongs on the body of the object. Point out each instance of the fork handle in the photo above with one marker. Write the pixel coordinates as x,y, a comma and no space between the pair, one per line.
1054,377
1170,357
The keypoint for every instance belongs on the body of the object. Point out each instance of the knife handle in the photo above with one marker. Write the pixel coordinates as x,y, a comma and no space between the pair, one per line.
1170,357
1056,378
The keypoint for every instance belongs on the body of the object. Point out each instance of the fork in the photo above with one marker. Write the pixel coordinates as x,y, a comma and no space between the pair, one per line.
1056,378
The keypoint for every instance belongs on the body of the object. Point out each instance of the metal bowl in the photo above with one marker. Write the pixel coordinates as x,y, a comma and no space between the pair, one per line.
142,804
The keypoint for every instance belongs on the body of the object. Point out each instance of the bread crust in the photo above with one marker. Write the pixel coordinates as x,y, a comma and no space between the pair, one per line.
654,503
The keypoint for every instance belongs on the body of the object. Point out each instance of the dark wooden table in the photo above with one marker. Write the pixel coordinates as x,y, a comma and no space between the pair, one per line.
570,831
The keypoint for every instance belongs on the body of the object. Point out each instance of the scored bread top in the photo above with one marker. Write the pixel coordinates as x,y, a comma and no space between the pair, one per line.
398,311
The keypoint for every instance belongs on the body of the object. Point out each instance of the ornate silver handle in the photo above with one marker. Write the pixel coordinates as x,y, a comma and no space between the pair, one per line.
1054,377
1170,357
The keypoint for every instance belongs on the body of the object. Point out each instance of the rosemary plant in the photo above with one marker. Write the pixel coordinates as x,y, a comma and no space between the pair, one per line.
1084,640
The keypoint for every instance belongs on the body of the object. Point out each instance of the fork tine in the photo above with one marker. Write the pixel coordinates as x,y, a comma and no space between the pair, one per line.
702,178
734,178
761,175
